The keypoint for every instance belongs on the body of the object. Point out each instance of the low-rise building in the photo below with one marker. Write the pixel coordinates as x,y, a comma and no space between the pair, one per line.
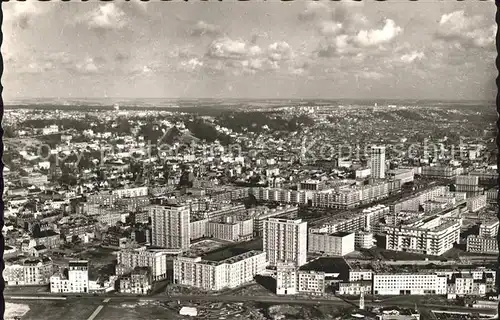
409,284
27,272
355,288
76,281
138,281
360,275
217,275
479,244
290,280
129,259
405,175
48,238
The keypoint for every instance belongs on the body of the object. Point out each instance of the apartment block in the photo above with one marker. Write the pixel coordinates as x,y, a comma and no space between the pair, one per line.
138,281
77,280
489,228
26,272
170,226
427,235
217,275
365,220
479,244
286,278
129,259
337,244
291,281
409,284
477,203
285,240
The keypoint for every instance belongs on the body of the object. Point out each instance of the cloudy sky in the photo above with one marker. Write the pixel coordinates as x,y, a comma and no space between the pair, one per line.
398,49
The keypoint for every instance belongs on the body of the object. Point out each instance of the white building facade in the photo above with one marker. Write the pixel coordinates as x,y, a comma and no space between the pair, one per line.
285,240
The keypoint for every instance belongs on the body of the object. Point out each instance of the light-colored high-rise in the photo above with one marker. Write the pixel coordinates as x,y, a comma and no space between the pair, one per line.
170,226
377,162
285,240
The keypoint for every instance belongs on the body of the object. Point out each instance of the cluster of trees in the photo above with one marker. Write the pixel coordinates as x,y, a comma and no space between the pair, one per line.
255,121
205,131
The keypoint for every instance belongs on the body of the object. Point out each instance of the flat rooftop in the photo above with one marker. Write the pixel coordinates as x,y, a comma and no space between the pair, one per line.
340,234
328,265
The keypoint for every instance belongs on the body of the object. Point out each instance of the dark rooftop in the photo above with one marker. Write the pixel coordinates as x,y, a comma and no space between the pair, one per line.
45,233
340,234
328,265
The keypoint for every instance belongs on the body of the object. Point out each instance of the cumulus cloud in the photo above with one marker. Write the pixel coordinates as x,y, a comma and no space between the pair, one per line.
202,28
375,37
106,17
280,51
227,48
345,32
87,66
192,64
410,57
468,31
239,56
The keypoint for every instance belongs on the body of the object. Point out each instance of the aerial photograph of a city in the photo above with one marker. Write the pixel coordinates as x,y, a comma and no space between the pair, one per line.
259,160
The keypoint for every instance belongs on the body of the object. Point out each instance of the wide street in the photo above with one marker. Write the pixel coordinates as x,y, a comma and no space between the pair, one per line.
101,301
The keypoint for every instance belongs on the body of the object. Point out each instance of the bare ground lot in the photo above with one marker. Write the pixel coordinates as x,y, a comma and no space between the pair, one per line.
50,310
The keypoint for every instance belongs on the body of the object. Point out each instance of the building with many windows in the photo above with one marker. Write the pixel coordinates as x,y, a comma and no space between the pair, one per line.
479,244
441,172
138,281
131,192
489,228
26,272
290,280
377,162
130,259
432,235
229,228
477,203
285,240
365,220
170,226
217,275
409,284
77,280
468,184
405,175
286,278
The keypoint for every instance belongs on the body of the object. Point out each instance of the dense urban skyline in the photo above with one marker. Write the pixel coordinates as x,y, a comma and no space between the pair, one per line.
414,50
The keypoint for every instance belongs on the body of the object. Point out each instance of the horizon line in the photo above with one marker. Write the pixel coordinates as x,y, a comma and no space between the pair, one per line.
246,98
